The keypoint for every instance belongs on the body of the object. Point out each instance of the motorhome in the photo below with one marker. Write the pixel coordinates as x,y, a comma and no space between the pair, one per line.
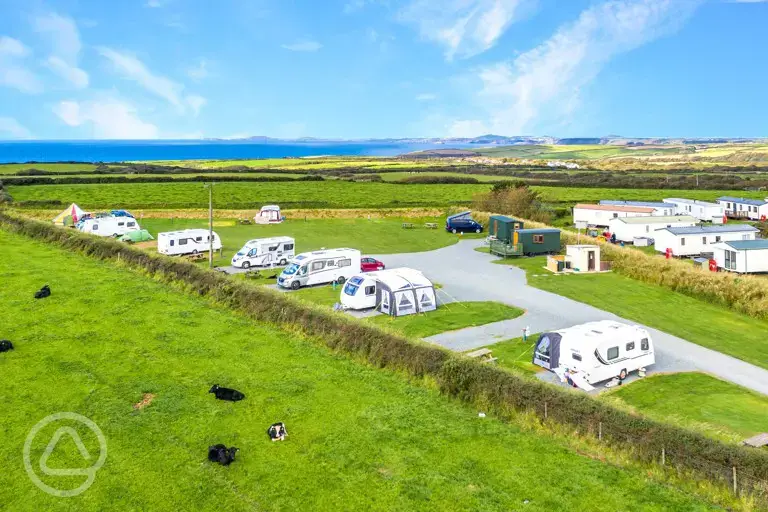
108,226
597,351
188,241
395,292
320,267
265,252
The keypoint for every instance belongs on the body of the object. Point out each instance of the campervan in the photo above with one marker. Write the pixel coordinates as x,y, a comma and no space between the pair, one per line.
188,241
320,267
598,351
108,226
396,292
265,252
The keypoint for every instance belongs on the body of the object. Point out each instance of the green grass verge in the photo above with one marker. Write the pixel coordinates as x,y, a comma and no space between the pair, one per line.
448,317
516,354
360,438
699,402
697,321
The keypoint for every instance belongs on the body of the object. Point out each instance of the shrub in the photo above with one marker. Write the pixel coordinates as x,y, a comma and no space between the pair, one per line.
5,197
513,198
434,180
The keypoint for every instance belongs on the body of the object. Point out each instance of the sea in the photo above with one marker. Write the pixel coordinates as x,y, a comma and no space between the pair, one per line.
121,151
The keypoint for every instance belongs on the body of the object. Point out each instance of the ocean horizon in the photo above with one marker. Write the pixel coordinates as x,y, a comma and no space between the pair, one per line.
140,150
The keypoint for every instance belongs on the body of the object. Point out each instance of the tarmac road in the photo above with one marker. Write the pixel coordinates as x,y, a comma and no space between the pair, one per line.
468,275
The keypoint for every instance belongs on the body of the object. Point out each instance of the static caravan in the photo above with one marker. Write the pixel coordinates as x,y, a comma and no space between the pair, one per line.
598,351
702,210
396,292
502,227
108,226
659,208
742,256
740,208
692,241
598,215
265,252
320,267
188,241
628,228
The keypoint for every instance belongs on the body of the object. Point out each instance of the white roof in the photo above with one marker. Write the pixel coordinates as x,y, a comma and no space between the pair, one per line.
599,331
400,278
268,240
270,207
186,232
690,201
327,253
662,219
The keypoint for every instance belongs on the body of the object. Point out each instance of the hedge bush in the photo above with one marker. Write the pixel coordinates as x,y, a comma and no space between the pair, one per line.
456,376
92,179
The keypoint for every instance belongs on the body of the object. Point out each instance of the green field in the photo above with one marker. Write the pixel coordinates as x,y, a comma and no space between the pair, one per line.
699,402
708,325
359,437
516,354
57,168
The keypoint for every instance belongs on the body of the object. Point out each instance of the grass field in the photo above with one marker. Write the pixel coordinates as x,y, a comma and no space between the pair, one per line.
699,402
516,354
58,168
697,321
359,438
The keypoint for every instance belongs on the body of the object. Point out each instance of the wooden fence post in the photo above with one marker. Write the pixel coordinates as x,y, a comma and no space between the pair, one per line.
663,456
600,431
545,410
735,485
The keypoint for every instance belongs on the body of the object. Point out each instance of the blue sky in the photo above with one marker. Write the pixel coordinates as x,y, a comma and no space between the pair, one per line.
145,69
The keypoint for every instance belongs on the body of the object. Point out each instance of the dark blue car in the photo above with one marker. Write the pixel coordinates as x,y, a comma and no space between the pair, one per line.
462,223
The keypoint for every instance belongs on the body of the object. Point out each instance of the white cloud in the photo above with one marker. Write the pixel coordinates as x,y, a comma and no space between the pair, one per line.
464,27
199,71
542,86
131,68
107,118
303,46
13,72
467,128
426,97
66,47
11,128
155,3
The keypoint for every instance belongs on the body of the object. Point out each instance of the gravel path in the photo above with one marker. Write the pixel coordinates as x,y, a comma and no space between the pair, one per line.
468,275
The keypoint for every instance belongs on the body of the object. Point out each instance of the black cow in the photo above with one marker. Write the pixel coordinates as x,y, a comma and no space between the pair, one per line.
43,292
5,346
232,395
221,454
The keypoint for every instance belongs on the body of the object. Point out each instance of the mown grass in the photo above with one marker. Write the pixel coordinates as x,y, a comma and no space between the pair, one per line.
700,402
448,317
516,354
692,319
360,438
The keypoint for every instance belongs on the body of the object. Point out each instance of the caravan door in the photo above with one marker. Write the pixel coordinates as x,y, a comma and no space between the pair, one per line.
405,303
547,351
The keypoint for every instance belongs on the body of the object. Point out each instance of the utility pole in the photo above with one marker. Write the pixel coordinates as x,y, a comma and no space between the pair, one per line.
209,186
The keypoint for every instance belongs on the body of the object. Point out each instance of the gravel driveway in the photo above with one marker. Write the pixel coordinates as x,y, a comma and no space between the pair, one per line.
468,275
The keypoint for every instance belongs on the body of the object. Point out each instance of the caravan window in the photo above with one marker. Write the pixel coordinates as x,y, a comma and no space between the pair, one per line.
350,289
370,290
318,265
682,241
538,239
577,357
121,223
613,353
172,243
131,224
253,252
273,248
644,344
345,263
630,346
183,241
198,239
330,263
288,247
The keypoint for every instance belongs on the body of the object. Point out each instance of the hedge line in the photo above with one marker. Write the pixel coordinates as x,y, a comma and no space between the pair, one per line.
86,180
498,390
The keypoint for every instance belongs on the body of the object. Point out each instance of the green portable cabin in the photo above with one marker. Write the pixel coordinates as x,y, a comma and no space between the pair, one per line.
537,240
502,227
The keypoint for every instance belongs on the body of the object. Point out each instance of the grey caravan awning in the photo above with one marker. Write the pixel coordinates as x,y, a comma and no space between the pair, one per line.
546,353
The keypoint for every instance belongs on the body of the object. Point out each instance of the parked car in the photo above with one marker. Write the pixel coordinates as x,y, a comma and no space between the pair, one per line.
368,264
463,225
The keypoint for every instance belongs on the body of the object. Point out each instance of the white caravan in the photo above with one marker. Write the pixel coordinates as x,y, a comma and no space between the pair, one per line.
320,267
265,252
395,292
596,351
188,241
109,226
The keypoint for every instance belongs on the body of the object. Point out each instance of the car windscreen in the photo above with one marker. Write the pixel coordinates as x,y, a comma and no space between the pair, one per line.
291,269
351,289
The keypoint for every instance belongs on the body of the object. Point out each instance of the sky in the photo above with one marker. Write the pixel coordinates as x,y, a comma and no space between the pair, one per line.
178,69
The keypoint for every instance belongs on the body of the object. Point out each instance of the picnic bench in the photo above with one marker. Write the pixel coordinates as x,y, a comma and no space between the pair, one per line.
407,225
430,225
196,257
482,354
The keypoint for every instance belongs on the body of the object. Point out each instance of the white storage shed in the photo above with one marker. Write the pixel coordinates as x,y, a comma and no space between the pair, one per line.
598,215
396,292
742,256
692,241
584,258
628,228
659,208
740,208
702,210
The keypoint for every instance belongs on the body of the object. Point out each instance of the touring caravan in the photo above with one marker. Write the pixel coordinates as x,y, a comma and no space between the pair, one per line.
320,267
188,241
108,226
265,252
598,351
396,292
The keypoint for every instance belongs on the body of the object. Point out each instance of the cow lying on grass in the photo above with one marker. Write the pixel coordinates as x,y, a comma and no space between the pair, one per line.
221,454
5,346
43,292
277,432
231,395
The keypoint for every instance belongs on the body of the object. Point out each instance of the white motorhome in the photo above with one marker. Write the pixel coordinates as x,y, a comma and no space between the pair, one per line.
320,267
597,351
188,241
265,252
109,226
396,292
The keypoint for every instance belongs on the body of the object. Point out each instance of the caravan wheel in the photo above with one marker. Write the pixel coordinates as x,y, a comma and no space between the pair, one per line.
194,251
623,374
295,285
341,280
246,264
283,261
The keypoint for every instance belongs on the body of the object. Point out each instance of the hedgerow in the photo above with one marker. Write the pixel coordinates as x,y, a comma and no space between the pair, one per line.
456,376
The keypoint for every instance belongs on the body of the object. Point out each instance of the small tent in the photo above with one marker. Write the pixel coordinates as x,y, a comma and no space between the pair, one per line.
269,214
70,216
395,292
133,237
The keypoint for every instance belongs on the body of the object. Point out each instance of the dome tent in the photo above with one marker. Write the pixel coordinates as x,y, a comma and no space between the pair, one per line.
269,214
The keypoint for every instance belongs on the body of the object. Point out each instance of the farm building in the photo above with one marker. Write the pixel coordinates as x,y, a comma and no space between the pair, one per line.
502,227
755,209
702,210
598,215
627,229
742,256
528,242
692,241
658,207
